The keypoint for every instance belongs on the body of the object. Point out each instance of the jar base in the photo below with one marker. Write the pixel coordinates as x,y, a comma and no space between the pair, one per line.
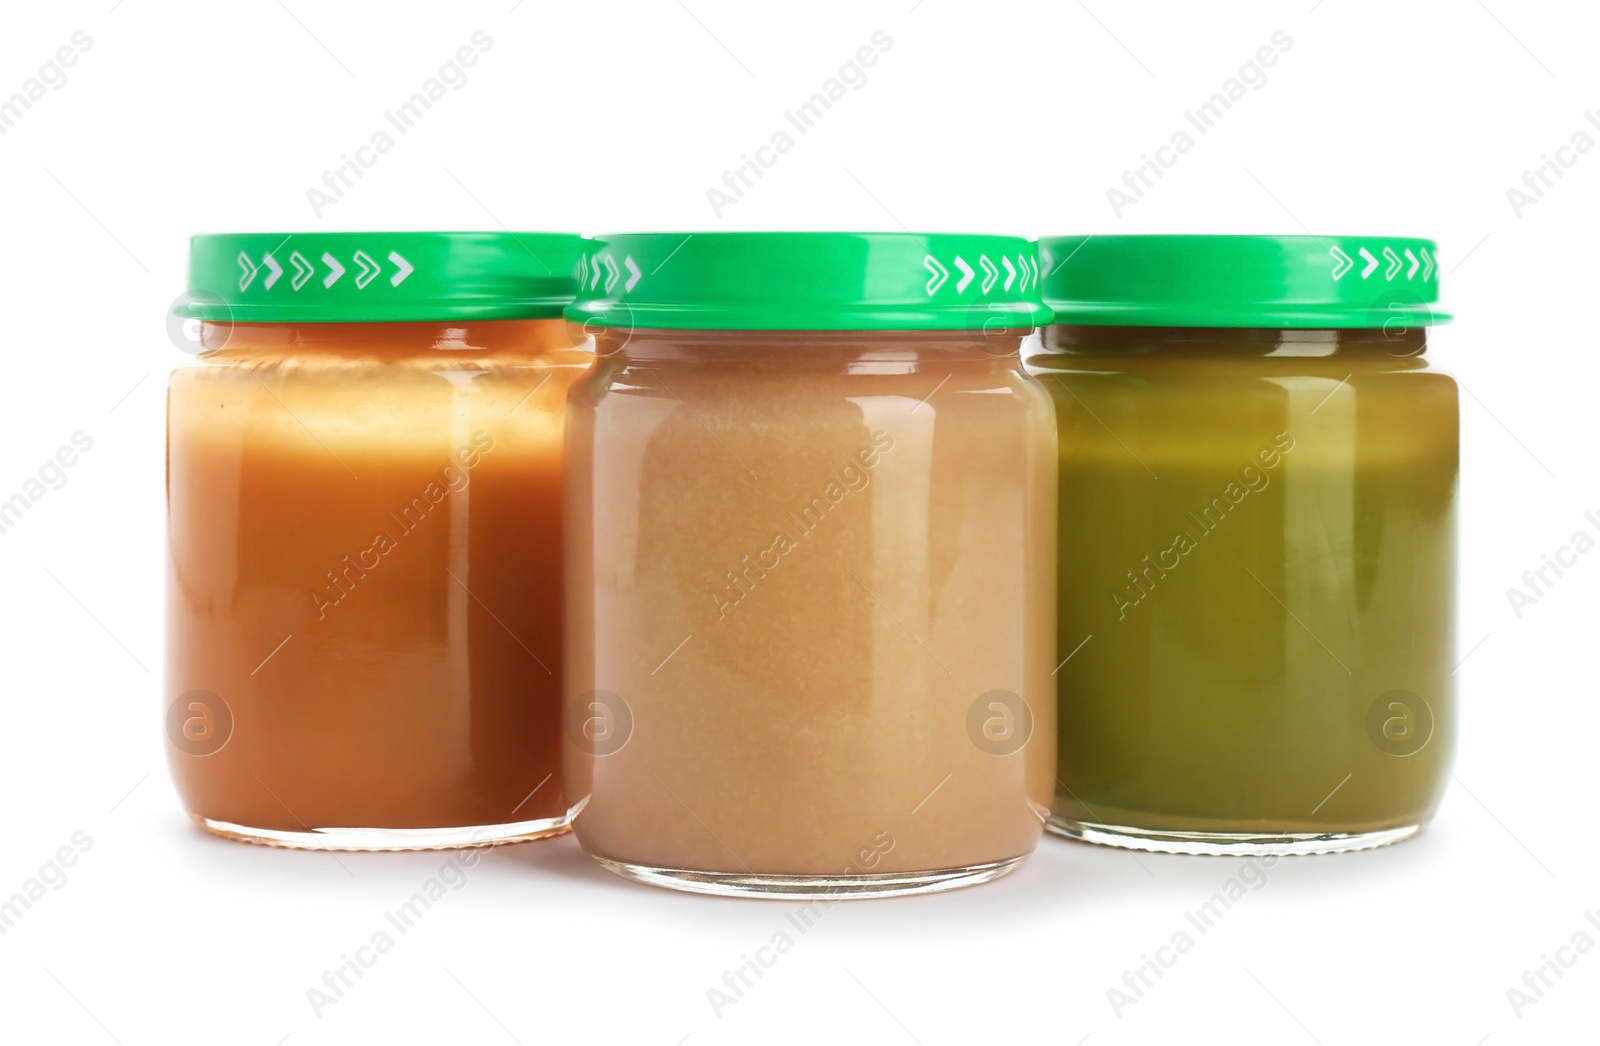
803,887
1239,844
375,839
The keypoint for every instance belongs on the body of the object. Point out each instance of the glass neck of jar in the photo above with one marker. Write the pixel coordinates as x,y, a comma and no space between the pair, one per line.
397,340
1241,342
812,347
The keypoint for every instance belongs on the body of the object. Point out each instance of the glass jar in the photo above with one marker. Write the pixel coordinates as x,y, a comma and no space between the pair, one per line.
810,531
1257,558
364,488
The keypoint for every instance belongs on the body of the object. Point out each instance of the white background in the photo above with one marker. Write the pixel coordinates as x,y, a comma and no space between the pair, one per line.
1384,117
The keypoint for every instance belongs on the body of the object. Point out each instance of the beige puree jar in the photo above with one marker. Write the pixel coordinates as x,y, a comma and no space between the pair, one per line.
810,555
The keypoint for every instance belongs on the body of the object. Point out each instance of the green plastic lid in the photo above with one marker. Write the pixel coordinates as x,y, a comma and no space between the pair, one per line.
379,277
810,281
1242,281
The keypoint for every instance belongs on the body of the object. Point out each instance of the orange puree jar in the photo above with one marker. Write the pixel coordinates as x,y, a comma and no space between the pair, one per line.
364,550
811,547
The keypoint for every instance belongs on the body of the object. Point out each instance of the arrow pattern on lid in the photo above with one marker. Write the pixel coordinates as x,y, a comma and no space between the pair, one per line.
1412,263
990,273
402,269
599,271
1025,273
368,267
303,269
966,275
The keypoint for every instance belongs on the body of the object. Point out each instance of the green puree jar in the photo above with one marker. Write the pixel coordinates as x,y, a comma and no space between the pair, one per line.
1258,490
